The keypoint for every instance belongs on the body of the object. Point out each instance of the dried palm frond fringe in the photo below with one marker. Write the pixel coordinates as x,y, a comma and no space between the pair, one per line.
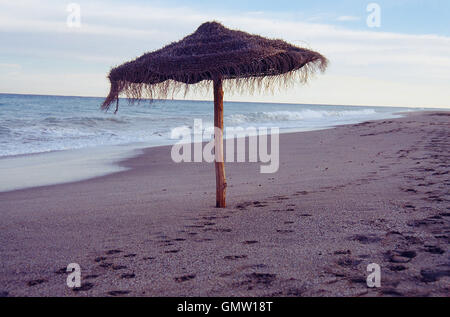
245,63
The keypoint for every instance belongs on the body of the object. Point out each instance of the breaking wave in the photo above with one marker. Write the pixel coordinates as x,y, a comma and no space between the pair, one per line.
35,124
279,116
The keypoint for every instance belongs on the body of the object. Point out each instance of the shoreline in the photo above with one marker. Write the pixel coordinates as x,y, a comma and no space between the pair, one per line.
373,192
32,170
60,167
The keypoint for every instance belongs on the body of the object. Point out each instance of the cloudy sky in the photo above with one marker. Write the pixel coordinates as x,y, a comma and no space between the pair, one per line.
404,62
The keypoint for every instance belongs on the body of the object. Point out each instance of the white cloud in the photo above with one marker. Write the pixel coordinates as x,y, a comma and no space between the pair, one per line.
403,69
64,83
9,66
347,18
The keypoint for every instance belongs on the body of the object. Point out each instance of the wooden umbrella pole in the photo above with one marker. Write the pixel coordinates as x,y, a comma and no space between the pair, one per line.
221,182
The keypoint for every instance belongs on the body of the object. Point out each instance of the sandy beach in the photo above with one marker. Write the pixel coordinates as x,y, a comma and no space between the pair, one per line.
375,192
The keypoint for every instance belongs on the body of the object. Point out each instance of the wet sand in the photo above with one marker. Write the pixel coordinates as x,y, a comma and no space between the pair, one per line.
375,192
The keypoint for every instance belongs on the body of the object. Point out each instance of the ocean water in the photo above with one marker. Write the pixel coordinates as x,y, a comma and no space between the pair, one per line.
47,140
40,124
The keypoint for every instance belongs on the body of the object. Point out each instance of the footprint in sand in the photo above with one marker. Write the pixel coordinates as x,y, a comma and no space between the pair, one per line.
348,262
172,251
184,278
258,204
397,268
119,267
90,277
250,242
235,257
36,282
194,226
61,271
118,293
262,278
100,259
128,276
285,231
241,207
224,230
365,239
357,280
84,287
390,292
209,218
202,240
433,275
295,292
342,252
400,256
111,252
434,249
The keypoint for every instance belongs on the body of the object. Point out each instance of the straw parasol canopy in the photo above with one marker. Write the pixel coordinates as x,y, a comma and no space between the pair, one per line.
217,56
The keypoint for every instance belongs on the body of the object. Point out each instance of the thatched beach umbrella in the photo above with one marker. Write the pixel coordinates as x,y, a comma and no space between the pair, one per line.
217,55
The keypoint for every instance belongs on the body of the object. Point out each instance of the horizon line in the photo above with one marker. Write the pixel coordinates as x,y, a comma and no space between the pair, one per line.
198,100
